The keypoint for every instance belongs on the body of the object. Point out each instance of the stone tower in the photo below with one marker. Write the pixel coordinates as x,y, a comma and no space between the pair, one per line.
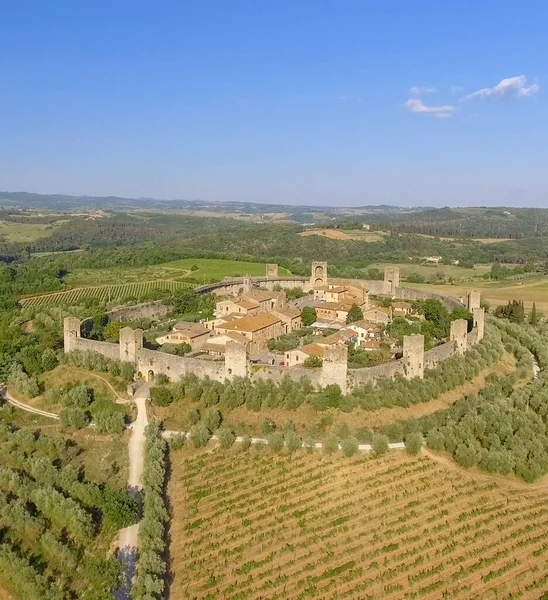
247,284
413,356
335,366
473,300
479,321
131,342
318,276
71,331
271,271
235,360
459,335
391,280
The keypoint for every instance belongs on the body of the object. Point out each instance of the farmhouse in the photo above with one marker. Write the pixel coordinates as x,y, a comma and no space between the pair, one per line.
378,314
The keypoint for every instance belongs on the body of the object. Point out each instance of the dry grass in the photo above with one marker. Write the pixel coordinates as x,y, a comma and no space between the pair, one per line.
531,290
338,234
262,526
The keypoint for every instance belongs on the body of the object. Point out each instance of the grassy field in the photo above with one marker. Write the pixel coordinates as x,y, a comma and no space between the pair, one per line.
262,526
534,289
217,268
449,271
27,232
176,270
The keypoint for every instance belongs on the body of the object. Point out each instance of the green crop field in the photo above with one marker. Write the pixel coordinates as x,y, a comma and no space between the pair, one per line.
430,270
27,232
103,293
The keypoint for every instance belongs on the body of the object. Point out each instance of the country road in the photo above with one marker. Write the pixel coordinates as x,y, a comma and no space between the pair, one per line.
128,540
256,440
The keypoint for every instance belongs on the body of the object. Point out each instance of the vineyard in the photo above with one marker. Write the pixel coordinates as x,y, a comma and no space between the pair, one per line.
104,293
259,526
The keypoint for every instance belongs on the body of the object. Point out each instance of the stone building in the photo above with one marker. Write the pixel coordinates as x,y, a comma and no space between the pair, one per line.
378,314
194,334
257,329
290,317
401,309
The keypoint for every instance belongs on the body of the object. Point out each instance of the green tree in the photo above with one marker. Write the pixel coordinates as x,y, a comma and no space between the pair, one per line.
292,442
308,316
534,318
465,455
330,443
354,314
213,419
226,437
380,444
161,396
313,362
414,442
349,446
49,359
112,330
73,416
199,435
275,442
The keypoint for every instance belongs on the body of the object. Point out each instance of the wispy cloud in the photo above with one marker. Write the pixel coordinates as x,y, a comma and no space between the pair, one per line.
456,89
416,105
515,87
418,90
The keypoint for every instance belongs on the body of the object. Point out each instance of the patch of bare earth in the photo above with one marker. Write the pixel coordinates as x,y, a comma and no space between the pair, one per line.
263,526
336,234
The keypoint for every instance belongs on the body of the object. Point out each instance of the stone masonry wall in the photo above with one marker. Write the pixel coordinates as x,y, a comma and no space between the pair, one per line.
438,354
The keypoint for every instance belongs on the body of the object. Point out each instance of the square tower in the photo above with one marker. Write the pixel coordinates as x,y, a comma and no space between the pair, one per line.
335,366
413,356
479,321
131,341
318,276
271,271
459,335
473,300
391,280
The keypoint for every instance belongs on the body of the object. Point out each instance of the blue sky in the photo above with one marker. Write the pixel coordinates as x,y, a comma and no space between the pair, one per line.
289,101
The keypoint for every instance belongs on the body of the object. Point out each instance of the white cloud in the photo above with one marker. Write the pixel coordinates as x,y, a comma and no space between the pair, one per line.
441,112
349,99
507,88
417,90
456,89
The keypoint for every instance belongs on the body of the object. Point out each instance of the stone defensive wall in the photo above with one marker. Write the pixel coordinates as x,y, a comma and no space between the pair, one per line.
334,369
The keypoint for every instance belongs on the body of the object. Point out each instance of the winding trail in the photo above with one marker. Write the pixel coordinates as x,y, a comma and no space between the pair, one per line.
128,538
27,407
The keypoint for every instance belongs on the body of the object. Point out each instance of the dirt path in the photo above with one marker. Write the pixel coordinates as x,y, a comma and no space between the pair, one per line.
28,408
128,538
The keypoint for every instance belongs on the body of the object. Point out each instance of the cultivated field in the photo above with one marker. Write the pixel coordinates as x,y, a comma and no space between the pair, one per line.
339,234
263,526
208,268
104,293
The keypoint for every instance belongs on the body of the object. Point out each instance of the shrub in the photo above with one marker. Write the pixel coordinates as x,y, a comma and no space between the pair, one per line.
349,446
246,442
275,442
73,416
226,437
162,379
380,444
199,435
177,442
161,396
292,441
213,419
414,442
193,415
330,443
313,361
